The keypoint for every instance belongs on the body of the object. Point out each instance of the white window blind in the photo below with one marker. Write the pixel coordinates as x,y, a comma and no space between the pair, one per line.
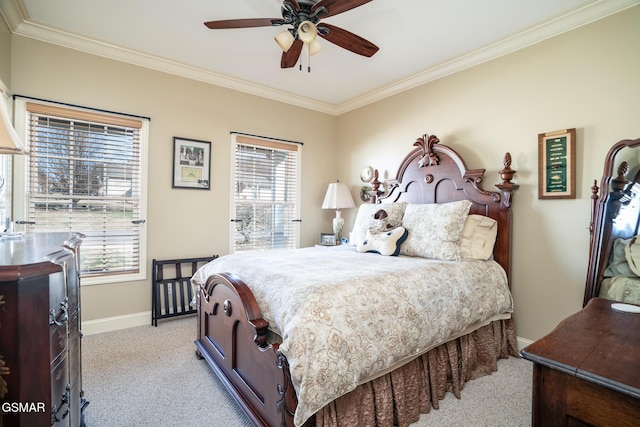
266,194
84,175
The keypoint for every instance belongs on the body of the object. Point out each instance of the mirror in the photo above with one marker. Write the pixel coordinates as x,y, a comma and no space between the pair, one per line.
614,253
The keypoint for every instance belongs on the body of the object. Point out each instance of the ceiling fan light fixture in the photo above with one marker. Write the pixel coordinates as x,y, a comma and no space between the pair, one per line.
307,31
284,39
314,47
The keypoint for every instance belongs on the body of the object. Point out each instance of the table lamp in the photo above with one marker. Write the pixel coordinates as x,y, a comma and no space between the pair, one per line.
338,197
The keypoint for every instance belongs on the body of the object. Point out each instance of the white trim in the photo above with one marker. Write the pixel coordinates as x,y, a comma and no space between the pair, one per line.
15,15
232,191
107,324
522,342
20,200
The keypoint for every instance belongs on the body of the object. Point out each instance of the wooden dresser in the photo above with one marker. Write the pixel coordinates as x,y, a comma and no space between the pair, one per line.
587,370
40,365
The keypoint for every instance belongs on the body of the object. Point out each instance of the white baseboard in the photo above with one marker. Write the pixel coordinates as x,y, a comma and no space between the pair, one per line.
522,343
90,327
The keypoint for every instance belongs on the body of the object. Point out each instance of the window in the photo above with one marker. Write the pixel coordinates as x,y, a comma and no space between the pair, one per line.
265,199
85,173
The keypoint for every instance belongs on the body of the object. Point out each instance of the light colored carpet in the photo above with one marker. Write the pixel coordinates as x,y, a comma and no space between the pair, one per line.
150,376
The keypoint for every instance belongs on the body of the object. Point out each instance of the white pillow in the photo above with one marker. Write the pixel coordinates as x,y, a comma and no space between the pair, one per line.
435,230
478,237
364,219
387,243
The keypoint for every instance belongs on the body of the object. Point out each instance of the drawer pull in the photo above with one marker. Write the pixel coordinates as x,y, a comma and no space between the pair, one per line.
63,402
63,317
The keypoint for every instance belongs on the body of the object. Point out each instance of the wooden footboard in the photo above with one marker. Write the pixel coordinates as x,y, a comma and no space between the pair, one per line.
232,337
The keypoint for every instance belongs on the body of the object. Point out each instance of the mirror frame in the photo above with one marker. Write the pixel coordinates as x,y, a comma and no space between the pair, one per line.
604,210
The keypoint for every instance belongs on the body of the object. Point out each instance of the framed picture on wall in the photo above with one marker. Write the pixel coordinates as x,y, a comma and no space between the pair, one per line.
191,163
557,164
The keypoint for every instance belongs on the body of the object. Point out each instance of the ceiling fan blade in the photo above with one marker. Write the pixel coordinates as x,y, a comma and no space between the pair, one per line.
335,7
243,23
347,40
290,57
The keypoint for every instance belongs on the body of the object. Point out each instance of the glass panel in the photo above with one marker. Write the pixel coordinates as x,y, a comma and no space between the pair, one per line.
85,177
265,197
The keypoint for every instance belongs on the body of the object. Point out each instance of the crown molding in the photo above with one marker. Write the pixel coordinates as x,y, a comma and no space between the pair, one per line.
83,44
570,21
13,12
16,17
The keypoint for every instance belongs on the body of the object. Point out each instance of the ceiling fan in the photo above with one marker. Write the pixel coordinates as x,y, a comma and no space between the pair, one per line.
303,17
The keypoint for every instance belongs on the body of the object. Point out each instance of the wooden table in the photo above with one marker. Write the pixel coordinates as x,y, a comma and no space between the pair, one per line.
587,370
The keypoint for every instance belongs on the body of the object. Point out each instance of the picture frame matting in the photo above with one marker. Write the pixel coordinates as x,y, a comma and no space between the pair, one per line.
191,163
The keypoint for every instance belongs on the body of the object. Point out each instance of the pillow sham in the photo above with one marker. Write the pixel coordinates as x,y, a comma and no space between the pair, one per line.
435,230
365,220
478,237
387,243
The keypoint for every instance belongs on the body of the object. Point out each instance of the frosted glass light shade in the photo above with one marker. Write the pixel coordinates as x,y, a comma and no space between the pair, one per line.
284,39
314,47
307,31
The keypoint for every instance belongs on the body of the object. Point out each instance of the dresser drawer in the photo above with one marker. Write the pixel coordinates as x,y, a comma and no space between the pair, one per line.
596,405
60,393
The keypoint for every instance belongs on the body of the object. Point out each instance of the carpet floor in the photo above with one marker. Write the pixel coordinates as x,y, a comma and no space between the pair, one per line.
150,376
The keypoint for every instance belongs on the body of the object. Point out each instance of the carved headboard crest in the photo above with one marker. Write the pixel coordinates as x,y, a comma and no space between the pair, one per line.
429,157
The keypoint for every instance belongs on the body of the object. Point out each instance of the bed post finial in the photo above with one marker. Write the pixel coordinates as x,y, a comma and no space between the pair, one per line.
375,191
506,186
429,157
594,204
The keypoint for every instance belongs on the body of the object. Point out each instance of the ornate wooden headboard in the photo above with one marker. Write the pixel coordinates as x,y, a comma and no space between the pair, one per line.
435,173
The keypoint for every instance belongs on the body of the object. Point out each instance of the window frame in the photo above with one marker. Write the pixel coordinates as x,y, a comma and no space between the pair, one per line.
264,142
20,200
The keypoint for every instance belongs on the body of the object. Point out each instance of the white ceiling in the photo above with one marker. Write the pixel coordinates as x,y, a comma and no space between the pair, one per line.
419,40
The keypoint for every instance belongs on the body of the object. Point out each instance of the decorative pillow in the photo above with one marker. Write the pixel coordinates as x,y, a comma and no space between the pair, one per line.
478,237
365,220
387,243
435,229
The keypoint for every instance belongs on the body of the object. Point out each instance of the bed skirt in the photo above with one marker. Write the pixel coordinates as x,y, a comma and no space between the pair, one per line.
398,398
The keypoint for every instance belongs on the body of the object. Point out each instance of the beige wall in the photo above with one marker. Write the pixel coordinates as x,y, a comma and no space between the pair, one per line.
181,223
585,79
5,53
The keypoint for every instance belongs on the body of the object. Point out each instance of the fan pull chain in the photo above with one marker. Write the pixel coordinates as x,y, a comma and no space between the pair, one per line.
308,50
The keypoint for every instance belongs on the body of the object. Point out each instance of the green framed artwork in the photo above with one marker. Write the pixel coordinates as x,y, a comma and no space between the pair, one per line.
557,164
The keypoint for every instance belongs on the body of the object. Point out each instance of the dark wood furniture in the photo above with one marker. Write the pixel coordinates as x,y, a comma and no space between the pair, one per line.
171,291
613,216
233,336
40,331
587,370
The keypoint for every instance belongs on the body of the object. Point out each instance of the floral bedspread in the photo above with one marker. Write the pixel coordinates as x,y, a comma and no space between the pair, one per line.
344,316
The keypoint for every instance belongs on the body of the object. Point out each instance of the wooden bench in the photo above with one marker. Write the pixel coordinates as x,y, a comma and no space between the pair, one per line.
171,291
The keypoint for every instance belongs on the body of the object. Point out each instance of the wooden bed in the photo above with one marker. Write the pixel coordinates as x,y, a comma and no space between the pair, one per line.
235,339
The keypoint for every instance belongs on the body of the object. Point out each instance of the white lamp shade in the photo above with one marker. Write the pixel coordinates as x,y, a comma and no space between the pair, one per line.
307,31
338,196
284,39
9,141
